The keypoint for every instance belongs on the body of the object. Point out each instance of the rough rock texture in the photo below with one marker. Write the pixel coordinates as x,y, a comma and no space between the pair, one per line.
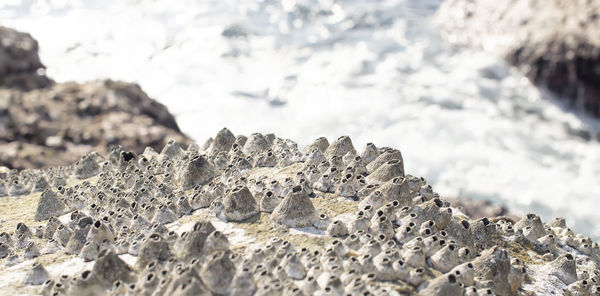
20,65
46,124
555,42
132,228
56,125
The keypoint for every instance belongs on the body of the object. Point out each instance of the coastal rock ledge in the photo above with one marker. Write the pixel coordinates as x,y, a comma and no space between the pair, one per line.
43,123
257,215
556,43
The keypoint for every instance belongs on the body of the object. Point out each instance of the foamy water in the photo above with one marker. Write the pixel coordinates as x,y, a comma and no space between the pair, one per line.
301,69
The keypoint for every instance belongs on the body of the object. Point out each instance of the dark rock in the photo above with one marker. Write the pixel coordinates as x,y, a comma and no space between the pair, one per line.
59,124
556,43
20,65
45,124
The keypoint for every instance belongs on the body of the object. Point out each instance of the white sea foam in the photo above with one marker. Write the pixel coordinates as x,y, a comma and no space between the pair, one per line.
376,71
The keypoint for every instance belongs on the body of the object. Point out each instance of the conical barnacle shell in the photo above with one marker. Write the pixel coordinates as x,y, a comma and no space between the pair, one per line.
17,188
532,224
563,267
384,157
4,250
197,171
3,191
49,206
76,241
295,210
242,283
5,238
558,222
153,248
320,144
22,231
191,287
266,159
86,284
255,144
86,167
339,147
192,243
386,171
406,233
293,266
164,215
516,277
349,157
414,256
337,229
482,231
172,150
62,235
494,265
381,225
314,157
217,273
110,268
445,259
465,273
31,251
239,204
40,184
384,269
216,241
446,285
347,187
369,153
324,184
361,221
269,202
36,275
90,251
100,231
223,141
51,226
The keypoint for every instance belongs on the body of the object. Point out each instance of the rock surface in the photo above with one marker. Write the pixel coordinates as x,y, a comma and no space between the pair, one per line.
46,124
133,228
20,65
555,42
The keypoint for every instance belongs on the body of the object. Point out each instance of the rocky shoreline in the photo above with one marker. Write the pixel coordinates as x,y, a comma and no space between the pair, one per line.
43,123
258,216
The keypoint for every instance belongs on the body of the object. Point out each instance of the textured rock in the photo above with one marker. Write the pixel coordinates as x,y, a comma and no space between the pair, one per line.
136,229
555,42
49,206
295,210
20,65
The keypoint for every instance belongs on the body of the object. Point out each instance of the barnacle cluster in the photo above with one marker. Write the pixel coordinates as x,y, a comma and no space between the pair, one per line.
258,216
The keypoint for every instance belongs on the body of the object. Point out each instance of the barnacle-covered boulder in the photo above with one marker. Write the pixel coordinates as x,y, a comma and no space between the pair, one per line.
155,224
